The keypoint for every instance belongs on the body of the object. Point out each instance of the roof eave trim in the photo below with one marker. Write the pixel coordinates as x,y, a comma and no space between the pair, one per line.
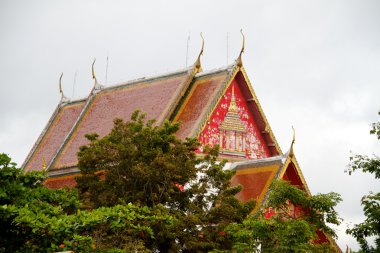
267,126
236,165
192,72
41,137
150,78
214,103
75,125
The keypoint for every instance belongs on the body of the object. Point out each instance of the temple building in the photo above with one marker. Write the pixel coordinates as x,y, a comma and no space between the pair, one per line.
216,107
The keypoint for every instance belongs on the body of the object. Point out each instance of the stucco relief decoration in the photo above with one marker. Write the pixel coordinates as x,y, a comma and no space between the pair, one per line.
232,127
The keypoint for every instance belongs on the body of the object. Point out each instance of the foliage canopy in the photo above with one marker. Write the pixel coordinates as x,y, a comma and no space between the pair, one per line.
143,190
370,227
294,225
34,218
145,164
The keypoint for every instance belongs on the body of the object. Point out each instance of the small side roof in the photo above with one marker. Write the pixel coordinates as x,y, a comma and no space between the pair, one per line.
257,175
53,135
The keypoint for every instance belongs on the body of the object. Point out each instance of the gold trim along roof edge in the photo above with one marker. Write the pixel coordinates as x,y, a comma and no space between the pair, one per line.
149,78
223,89
47,128
284,160
257,162
267,126
214,103
41,137
192,72
93,95
89,100
293,159
198,77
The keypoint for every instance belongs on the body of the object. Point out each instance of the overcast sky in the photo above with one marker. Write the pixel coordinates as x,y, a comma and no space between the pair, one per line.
313,64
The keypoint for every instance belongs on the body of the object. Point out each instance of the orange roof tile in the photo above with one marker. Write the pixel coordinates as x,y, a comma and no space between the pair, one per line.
156,97
60,182
203,91
256,176
53,135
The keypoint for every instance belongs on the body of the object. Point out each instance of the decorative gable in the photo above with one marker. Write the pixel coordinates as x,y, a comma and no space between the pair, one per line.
232,127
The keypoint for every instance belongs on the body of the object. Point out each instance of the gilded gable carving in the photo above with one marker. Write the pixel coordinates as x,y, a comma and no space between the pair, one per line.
231,126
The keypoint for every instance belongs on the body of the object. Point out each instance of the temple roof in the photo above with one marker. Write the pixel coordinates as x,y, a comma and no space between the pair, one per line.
193,108
257,175
186,95
156,97
189,96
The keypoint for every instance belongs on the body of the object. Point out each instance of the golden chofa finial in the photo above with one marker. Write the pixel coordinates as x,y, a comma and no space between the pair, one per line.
291,152
63,97
198,62
93,72
239,60
60,84
97,86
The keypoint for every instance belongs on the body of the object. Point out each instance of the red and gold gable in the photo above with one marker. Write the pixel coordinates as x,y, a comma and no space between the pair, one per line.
232,127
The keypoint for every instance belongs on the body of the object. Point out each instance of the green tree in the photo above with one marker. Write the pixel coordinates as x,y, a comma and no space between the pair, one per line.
34,218
370,227
24,193
289,229
141,163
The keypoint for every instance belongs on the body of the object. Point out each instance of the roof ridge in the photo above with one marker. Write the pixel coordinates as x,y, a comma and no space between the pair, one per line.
224,84
61,105
74,101
257,161
216,70
93,94
149,78
41,136
88,102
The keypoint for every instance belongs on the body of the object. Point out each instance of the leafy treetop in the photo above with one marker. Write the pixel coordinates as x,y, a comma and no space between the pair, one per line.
370,227
141,163
288,230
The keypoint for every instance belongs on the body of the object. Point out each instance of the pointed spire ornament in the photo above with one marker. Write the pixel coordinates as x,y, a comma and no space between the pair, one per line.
93,72
63,97
239,60
291,152
97,86
60,84
198,62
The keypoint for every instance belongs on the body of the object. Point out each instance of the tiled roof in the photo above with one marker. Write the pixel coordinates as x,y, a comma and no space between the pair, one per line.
53,135
156,97
193,109
185,95
256,176
57,183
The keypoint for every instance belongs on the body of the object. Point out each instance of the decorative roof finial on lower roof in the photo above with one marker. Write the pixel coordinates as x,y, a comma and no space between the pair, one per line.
239,60
93,72
63,97
291,152
97,86
198,62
